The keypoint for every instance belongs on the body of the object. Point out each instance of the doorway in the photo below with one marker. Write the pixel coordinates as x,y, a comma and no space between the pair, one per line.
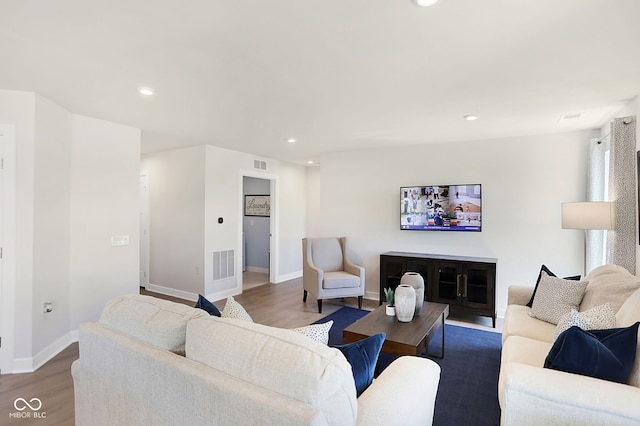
256,231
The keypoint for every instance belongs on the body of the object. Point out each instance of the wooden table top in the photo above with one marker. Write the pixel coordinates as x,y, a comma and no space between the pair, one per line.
403,338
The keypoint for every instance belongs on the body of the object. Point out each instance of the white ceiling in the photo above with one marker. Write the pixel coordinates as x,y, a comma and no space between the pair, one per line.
334,74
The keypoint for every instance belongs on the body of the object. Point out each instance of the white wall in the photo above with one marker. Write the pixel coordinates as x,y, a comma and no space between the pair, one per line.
51,223
524,181
176,200
221,184
105,202
314,188
18,108
76,185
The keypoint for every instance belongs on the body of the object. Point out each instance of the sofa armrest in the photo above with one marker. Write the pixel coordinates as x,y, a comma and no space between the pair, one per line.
535,396
519,295
403,394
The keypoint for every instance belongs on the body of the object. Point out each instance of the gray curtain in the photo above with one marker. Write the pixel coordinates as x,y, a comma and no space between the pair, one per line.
622,241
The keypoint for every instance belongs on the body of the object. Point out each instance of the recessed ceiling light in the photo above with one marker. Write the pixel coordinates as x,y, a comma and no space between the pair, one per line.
426,2
147,91
470,117
291,140
310,162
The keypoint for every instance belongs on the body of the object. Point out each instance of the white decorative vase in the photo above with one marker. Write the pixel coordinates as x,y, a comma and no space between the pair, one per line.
391,311
405,302
416,281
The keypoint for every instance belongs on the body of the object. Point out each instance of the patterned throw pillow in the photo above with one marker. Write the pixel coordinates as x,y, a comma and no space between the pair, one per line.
318,332
556,298
551,274
235,310
600,317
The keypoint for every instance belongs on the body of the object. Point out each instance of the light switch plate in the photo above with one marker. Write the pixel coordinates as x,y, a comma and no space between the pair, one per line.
120,240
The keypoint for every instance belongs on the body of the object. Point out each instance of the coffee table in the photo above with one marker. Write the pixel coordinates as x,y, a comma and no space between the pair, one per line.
403,338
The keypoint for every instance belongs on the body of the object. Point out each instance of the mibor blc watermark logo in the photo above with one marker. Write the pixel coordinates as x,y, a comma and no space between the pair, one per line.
30,409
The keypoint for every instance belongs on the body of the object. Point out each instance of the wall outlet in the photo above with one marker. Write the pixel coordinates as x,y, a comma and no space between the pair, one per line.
47,307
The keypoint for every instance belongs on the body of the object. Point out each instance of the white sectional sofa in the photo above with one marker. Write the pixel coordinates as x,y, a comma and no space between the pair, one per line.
532,395
154,362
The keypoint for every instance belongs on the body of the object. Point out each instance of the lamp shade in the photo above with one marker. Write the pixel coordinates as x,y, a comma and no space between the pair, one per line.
587,215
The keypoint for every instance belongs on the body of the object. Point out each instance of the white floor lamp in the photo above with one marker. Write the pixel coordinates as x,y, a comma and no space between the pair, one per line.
590,215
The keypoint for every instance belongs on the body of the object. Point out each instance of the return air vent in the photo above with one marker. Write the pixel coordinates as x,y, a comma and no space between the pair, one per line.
223,264
260,165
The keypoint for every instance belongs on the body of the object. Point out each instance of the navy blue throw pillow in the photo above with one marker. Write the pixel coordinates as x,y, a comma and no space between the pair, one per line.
363,357
551,274
204,304
603,354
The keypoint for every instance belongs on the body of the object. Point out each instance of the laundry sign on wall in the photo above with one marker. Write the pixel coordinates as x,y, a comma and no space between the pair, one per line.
257,205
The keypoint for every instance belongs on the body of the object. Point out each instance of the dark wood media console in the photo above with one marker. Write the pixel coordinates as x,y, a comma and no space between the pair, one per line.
466,284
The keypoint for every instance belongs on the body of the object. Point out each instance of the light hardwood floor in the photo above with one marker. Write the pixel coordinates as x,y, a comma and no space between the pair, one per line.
278,305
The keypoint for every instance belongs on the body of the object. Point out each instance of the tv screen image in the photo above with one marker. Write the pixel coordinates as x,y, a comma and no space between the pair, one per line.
441,208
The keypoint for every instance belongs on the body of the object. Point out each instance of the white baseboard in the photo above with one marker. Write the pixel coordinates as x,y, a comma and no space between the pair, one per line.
167,291
291,276
370,295
29,365
214,297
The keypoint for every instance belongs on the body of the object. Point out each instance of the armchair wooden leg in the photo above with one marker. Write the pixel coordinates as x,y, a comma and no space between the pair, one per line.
319,306
359,302
304,296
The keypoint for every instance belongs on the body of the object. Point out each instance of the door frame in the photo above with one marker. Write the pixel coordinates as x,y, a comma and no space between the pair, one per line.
145,222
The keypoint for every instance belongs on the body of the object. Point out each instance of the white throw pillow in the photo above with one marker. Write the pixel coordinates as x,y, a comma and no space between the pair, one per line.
597,318
318,332
235,310
556,298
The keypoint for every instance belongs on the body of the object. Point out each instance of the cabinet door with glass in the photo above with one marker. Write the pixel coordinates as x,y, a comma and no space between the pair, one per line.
446,282
476,286
391,270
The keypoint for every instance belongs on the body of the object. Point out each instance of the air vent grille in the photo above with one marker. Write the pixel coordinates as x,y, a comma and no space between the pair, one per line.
223,264
260,165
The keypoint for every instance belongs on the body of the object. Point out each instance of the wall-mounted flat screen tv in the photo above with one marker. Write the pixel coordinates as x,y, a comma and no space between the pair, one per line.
441,208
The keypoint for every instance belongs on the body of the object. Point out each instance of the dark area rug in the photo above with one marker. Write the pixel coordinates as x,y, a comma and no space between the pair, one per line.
468,390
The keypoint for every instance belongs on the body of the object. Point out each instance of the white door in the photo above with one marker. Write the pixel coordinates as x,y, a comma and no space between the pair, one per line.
144,228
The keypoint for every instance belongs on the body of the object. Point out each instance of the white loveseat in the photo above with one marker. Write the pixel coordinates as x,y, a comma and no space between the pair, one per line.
150,361
532,395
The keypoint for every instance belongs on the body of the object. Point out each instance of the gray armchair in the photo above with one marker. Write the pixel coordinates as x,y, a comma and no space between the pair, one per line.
327,272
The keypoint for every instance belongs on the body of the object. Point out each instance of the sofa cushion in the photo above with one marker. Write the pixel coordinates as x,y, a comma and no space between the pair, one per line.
340,279
204,304
608,284
363,357
544,268
277,360
155,321
556,297
317,332
518,322
524,350
604,354
595,318
629,313
233,309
